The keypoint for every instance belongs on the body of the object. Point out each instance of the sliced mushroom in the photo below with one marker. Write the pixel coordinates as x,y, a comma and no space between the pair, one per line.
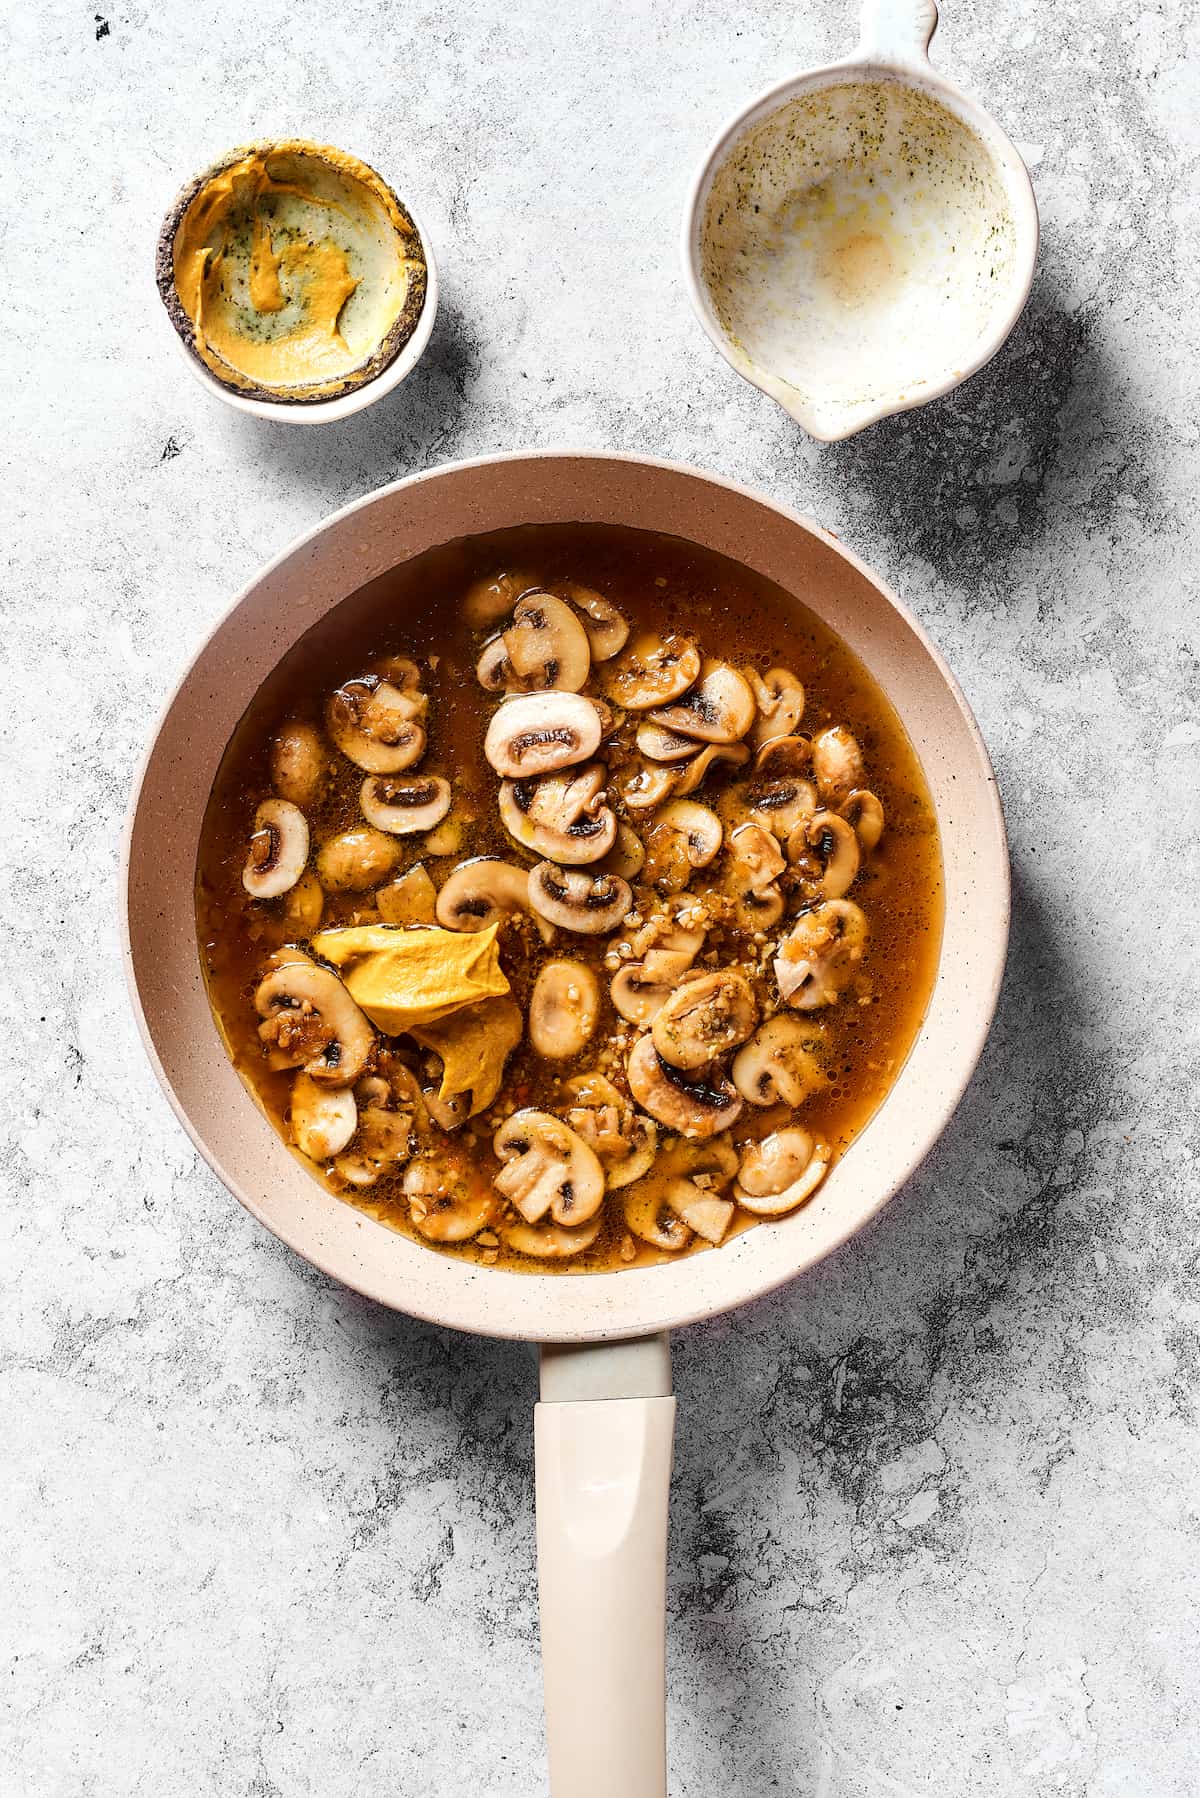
446,838
409,899
819,956
664,745
548,1169
483,891
564,1008
651,1220
640,989
718,709
549,1242
687,1174
544,646
310,1020
837,764
356,860
536,733
624,1140
304,903
402,807
607,629
374,724
298,762
493,597
626,855
589,903
278,849
652,670
695,1107
783,755
781,805
404,673
704,1019
383,1140
644,785
836,847
447,1202
701,1211
865,813
563,816
780,1172
684,836
322,1118
696,771
757,856
781,1062
779,697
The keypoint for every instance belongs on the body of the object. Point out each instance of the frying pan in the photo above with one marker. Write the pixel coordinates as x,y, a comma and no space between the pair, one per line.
604,1425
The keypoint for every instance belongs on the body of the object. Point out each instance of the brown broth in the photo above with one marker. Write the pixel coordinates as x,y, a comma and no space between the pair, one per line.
656,581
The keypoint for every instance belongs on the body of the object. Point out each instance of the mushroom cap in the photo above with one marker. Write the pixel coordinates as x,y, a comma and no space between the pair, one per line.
548,1169
836,844
837,764
309,1016
651,1219
704,1019
783,755
278,849
403,807
780,1172
719,708
298,762
562,816
693,1107
535,733
755,855
780,1063
492,597
374,724
654,668
354,861
578,899
779,698
818,957
778,804
564,1009
322,1118
865,812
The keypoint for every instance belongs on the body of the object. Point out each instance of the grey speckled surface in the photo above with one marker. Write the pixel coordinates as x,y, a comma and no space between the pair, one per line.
935,1525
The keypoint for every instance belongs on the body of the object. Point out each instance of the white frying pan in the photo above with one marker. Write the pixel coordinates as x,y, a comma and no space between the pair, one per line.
605,1421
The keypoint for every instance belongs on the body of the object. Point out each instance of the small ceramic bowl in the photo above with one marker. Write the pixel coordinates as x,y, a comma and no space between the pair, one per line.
863,236
384,364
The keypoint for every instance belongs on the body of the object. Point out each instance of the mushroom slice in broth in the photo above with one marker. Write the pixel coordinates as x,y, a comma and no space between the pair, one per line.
577,899
278,850
653,669
718,709
564,1009
547,1169
403,807
375,725
563,815
536,733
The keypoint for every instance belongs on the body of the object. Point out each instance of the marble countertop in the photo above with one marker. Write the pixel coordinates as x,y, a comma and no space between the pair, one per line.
935,1525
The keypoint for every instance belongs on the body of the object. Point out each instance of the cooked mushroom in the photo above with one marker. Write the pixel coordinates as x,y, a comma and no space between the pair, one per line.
652,670
643,785
563,1009
483,891
755,864
779,698
837,764
322,1118
623,1139
584,901
447,1203
563,816
544,646
404,673
304,903
607,629
548,1169
278,849
383,1140
664,745
446,838
310,1020
781,1062
492,597
536,733
409,899
704,1019
356,860
695,1107
626,855
836,847
651,1220
640,989
374,724
718,709
298,762
549,1242
783,755
780,1172
821,953
701,1211
402,807
696,771
780,805
865,813
688,1176
684,836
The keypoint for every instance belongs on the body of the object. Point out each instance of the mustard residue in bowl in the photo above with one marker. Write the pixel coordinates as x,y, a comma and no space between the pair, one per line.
298,271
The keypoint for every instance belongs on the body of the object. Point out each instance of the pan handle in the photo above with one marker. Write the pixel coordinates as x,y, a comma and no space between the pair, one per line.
603,1435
